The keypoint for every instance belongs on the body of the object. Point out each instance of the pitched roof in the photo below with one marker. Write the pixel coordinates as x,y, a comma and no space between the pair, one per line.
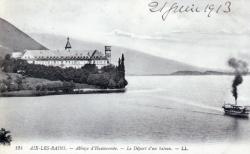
62,54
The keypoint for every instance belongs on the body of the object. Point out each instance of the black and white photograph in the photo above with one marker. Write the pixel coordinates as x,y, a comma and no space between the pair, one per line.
124,76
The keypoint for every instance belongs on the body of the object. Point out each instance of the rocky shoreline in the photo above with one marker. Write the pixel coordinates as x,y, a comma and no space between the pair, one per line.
29,93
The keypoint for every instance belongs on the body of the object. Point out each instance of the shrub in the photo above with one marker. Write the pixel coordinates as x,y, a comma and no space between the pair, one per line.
122,83
5,137
38,87
112,84
68,87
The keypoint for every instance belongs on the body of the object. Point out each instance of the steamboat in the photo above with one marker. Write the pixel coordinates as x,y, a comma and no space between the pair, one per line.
236,110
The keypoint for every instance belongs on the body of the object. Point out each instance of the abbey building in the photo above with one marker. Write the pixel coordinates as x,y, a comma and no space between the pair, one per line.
67,57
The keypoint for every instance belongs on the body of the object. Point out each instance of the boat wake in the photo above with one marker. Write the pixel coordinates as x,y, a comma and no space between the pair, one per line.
188,102
218,110
210,113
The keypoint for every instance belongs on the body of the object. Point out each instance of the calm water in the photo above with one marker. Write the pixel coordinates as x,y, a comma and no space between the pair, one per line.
154,109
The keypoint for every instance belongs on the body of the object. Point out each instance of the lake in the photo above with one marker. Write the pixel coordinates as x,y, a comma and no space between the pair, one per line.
157,109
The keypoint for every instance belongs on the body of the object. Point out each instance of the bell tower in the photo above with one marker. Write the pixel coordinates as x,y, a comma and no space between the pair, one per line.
108,53
68,45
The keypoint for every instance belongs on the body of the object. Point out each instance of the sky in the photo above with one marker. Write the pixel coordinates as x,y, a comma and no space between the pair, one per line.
191,38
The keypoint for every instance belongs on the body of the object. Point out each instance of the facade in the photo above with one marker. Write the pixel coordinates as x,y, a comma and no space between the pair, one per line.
67,57
16,55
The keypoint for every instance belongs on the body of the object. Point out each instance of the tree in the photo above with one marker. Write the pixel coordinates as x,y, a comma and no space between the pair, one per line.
19,82
5,137
122,83
119,64
7,64
90,68
122,66
3,86
7,57
108,69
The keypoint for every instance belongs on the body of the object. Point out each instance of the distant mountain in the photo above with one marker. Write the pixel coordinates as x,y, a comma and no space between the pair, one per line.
202,73
136,62
13,39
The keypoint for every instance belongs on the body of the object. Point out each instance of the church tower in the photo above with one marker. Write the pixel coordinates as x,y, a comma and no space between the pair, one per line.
108,53
68,45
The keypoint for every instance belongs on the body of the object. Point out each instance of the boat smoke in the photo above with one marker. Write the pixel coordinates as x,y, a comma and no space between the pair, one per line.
240,68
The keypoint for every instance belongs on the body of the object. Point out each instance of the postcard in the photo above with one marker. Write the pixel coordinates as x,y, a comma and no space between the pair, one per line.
116,76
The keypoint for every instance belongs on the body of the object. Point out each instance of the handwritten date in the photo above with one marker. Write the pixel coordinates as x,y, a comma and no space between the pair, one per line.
168,8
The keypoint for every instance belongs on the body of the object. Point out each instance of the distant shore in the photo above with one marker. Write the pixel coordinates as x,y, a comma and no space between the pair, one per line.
189,73
28,93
